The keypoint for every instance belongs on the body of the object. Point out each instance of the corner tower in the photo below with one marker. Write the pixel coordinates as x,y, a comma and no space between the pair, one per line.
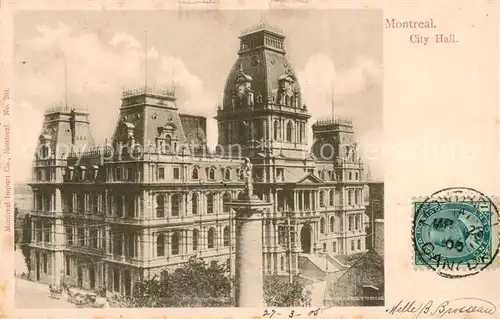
262,109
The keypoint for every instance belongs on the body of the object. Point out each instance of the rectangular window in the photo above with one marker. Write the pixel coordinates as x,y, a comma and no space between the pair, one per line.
161,173
47,233
176,173
118,174
81,236
350,175
280,174
69,235
45,263
93,238
131,245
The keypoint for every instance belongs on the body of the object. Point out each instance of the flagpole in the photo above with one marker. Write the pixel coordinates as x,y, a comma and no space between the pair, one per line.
146,61
333,102
65,82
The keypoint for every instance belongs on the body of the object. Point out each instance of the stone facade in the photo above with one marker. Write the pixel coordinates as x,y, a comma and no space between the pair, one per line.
113,214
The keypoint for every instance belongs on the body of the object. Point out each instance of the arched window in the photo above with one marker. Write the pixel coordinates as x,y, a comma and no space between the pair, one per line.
331,198
195,239
226,236
359,244
294,101
321,198
176,204
332,224
226,198
357,222
211,174
322,225
324,247
282,262
168,143
211,238
287,100
289,132
277,130
334,247
160,245
349,197
45,152
194,204
175,243
194,173
302,132
352,245
210,203
160,206
227,174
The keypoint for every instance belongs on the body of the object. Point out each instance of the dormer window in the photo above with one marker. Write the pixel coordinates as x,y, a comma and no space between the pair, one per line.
194,173
227,174
211,173
45,151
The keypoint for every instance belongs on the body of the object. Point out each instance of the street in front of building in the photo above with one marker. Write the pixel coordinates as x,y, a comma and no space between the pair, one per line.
34,295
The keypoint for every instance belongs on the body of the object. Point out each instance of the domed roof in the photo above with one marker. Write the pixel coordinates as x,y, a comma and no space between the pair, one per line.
263,63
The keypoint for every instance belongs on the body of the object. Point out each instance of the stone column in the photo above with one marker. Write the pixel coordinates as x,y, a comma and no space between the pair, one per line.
249,275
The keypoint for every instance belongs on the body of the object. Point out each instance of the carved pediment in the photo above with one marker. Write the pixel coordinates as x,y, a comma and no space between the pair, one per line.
168,128
309,179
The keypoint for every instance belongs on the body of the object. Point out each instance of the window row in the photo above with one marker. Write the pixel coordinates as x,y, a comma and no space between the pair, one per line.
176,240
354,224
85,237
83,173
94,202
290,131
341,250
226,173
177,203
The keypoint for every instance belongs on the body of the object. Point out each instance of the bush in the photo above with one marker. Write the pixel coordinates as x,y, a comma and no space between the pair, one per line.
279,292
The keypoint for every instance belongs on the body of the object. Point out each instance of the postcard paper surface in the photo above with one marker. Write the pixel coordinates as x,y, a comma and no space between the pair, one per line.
264,159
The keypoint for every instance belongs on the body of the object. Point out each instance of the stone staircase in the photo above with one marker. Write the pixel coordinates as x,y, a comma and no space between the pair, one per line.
316,267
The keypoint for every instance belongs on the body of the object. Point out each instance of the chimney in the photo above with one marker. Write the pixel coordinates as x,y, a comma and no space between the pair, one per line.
378,245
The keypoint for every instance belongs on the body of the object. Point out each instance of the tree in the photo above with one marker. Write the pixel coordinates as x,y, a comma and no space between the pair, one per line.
26,240
279,292
195,284
17,227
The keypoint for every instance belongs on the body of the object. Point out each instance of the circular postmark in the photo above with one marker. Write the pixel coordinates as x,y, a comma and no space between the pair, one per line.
455,232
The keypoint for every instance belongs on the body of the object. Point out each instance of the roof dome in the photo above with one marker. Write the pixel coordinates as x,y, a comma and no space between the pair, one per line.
261,69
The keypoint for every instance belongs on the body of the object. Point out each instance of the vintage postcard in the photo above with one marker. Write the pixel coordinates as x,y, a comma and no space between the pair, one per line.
249,159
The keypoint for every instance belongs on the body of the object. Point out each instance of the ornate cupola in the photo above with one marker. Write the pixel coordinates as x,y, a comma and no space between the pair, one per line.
262,104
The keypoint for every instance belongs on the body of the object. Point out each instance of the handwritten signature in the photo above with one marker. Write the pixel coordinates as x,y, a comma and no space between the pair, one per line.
448,307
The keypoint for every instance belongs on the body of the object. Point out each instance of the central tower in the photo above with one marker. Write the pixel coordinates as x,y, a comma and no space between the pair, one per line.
262,109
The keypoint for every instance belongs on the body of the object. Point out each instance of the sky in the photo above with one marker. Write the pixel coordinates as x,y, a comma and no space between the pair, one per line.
105,51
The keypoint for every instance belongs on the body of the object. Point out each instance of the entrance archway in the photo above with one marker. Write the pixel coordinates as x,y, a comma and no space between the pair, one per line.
305,238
